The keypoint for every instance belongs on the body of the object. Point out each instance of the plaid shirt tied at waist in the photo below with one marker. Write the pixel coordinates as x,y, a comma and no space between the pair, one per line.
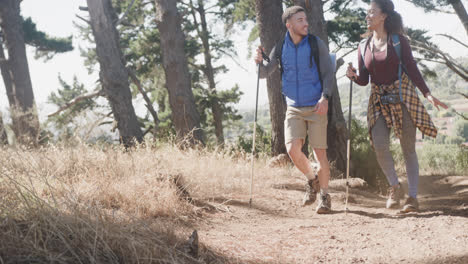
393,113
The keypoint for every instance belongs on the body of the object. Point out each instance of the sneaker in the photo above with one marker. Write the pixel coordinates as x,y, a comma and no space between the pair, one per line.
312,187
394,194
411,205
324,206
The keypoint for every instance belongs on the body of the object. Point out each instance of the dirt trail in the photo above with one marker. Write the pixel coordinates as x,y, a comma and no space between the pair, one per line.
279,230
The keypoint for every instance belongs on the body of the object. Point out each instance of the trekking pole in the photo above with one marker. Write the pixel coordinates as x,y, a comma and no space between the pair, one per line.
348,145
265,57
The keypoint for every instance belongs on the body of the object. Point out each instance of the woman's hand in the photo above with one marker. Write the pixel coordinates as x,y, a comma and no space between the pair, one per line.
351,72
435,102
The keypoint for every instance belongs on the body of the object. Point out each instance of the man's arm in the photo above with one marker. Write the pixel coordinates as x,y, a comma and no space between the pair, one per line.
269,68
326,69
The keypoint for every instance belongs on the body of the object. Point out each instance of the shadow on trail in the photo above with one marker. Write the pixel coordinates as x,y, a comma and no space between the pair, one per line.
451,259
396,215
438,196
289,186
257,204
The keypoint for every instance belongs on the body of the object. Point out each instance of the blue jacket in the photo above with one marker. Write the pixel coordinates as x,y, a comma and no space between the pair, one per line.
301,83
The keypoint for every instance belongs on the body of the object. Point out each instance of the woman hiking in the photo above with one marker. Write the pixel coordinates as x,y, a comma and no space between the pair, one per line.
393,102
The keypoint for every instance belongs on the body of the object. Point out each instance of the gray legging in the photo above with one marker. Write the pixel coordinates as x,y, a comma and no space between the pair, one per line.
381,138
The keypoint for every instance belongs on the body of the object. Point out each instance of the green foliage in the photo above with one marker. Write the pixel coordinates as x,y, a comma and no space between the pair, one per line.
63,122
439,159
236,12
218,46
262,142
140,43
345,29
227,99
363,160
448,84
433,5
454,140
440,139
461,129
417,35
445,113
46,46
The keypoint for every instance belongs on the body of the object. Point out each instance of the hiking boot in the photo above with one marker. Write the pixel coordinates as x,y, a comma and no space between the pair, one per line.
411,205
394,194
312,187
324,206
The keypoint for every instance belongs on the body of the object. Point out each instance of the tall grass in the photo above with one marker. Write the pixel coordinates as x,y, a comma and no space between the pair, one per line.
436,159
87,204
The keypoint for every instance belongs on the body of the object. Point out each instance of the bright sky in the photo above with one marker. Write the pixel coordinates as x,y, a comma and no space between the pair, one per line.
56,17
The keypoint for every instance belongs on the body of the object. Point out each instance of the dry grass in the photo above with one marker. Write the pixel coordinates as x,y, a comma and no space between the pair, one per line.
104,205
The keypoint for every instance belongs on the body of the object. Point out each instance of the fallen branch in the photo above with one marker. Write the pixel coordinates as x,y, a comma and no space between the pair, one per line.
75,101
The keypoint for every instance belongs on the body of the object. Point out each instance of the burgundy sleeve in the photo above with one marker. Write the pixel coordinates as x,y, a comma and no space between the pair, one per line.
363,77
411,67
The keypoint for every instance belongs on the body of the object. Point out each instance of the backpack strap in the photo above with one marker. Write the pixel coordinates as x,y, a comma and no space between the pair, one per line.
314,54
363,47
279,53
397,47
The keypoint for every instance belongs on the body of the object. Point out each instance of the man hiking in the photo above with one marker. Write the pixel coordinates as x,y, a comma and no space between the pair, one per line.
307,76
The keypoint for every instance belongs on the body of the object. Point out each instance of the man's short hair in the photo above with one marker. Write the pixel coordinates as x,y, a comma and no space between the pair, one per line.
291,11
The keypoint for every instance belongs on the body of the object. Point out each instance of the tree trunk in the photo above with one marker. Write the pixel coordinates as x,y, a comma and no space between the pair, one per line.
113,74
209,72
336,131
3,134
271,30
15,73
184,112
461,12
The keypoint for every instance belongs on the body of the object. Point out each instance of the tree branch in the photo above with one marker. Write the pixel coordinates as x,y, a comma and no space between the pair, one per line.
84,19
348,52
76,100
148,104
432,9
125,14
461,115
424,59
147,130
234,60
209,8
449,61
454,39
464,95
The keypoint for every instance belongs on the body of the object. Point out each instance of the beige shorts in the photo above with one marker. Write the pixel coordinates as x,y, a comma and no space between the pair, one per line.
302,121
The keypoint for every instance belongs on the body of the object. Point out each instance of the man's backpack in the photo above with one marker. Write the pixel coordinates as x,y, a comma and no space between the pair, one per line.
396,45
314,54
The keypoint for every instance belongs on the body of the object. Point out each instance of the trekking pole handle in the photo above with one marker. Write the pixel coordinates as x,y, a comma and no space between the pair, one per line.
350,64
265,57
